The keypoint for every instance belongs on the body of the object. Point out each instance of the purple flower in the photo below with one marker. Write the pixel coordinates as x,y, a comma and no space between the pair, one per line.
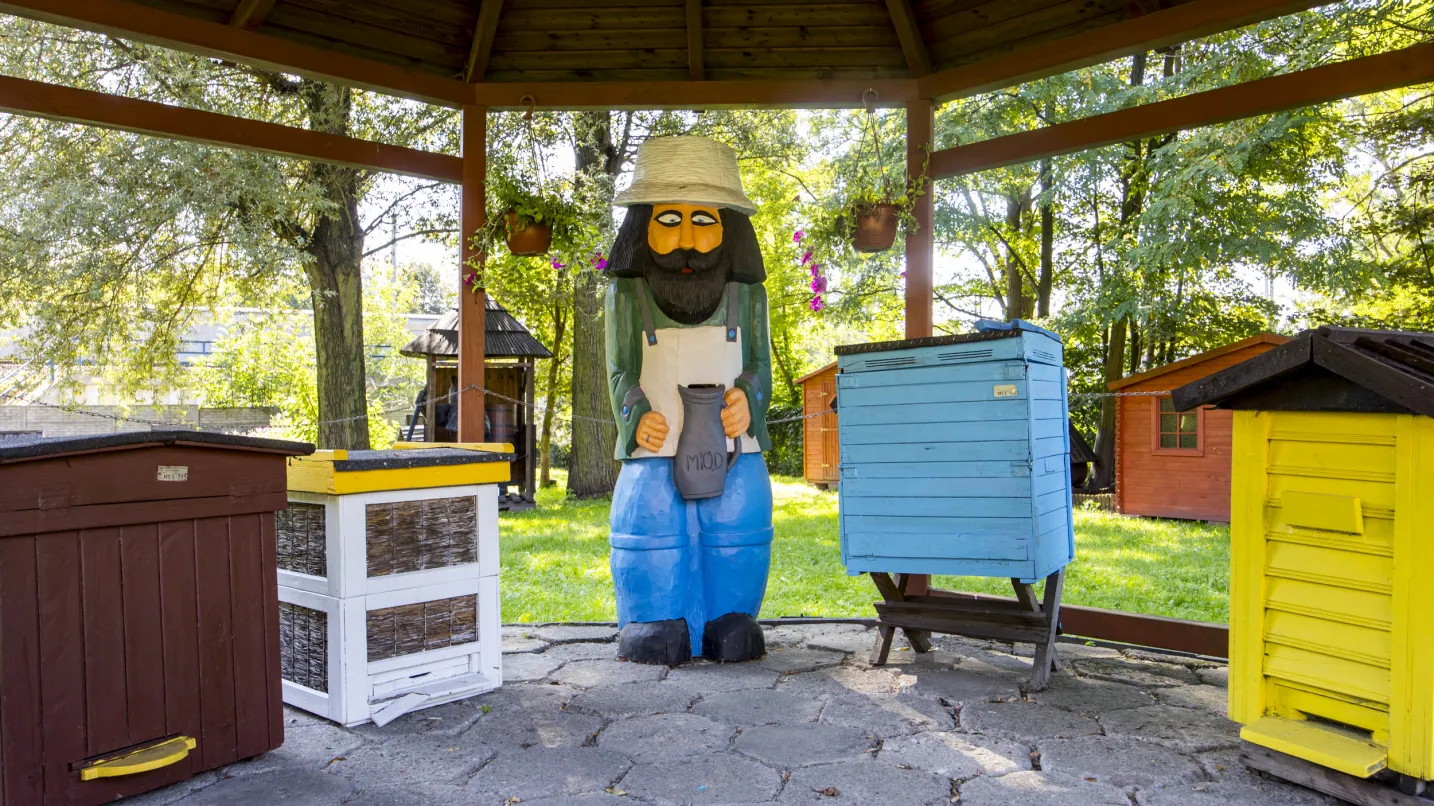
815,270
807,258
599,262
558,265
817,304
798,236
819,284
470,278
903,275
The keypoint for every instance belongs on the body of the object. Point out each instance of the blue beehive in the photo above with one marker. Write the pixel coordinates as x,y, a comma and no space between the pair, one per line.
955,454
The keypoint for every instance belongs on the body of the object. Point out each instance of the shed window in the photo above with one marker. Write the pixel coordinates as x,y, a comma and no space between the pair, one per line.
1176,430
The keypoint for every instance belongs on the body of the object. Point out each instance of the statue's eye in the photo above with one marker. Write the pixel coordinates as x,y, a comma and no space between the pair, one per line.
703,219
669,218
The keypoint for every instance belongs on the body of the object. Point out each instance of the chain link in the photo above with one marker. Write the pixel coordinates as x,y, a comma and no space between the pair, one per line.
474,387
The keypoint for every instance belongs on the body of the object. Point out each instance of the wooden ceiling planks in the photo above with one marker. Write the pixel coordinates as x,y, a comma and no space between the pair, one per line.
996,27
651,40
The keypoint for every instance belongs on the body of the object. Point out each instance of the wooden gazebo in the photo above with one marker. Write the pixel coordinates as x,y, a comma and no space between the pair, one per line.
477,55
509,372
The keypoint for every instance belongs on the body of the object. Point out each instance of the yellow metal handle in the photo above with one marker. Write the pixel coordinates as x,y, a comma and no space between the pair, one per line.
143,760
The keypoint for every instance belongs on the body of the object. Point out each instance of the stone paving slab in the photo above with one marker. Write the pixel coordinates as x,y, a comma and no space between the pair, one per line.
1119,762
788,747
813,722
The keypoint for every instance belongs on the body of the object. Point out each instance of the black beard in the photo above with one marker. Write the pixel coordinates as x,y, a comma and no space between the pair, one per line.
687,298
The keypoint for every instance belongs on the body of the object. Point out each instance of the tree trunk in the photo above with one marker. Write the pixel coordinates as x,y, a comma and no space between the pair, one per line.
335,251
1105,436
592,470
1015,288
554,373
1048,234
1132,176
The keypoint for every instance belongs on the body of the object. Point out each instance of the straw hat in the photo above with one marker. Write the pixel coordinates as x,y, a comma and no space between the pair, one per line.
686,170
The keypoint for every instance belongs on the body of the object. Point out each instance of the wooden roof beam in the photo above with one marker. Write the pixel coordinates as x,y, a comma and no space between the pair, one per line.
694,40
1160,29
250,14
129,20
797,94
483,33
37,99
908,30
1400,68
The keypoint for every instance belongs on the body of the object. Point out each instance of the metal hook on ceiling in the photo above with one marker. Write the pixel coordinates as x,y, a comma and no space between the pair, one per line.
869,99
532,103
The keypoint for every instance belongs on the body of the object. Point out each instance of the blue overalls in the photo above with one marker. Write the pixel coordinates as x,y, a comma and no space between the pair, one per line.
692,560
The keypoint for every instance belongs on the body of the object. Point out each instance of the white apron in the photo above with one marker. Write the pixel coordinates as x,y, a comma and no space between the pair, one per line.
684,356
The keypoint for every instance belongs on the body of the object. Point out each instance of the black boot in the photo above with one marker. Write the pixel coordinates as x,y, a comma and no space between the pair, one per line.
659,643
733,637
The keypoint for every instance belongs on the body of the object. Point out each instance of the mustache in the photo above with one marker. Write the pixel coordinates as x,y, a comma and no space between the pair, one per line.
679,259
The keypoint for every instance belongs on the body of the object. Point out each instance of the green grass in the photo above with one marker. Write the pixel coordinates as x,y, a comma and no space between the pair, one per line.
555,563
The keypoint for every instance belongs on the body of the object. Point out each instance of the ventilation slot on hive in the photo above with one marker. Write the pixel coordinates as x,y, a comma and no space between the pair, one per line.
407,629
304,646
407,536
1044,355
964,355
888,363
302,539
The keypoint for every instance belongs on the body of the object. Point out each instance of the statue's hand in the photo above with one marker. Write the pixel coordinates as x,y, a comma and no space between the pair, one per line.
652,431
737,416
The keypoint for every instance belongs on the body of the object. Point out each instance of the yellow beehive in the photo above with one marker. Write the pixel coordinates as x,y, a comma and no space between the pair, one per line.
1332,548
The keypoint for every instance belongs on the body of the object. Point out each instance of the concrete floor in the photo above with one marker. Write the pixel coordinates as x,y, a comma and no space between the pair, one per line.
810,723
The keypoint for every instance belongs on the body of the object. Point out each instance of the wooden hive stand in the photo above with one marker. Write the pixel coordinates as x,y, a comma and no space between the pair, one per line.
1025,620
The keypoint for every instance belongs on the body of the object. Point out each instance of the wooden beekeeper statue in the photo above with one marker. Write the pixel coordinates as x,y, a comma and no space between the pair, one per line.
690,374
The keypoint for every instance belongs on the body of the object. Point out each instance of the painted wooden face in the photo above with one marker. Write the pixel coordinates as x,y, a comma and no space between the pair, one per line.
695,227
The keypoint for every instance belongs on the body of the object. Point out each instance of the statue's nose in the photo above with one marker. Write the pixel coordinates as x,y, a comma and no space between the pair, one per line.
685,238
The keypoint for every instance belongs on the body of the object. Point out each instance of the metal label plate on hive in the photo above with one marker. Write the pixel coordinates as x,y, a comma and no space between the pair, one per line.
1005,390
173,473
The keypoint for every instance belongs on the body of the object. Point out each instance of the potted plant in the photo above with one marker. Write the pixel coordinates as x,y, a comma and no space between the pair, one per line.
873,211
531,217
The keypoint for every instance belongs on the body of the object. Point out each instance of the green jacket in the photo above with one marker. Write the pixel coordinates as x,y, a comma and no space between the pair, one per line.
624,334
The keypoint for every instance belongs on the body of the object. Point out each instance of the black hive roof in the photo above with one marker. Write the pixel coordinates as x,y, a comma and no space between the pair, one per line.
1329,369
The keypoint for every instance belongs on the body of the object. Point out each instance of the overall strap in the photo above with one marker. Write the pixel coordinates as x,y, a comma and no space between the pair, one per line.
646,307
733,312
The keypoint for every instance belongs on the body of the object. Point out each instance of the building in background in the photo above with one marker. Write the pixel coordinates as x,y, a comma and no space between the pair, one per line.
53,401
1170,464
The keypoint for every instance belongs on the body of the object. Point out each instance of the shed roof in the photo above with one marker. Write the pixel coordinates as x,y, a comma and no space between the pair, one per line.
503,337
648,40
1263,338
814,373
1329,369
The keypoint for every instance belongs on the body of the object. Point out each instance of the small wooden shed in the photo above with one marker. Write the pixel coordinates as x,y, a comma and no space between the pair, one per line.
1174,465
1332,547
821,454
511,354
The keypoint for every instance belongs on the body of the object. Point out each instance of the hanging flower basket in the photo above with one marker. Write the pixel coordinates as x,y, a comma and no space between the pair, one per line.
527,238
875,227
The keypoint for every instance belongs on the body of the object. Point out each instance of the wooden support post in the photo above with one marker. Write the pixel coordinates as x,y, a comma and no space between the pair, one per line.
430,405
472,301
921,244
1045,658
530,483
